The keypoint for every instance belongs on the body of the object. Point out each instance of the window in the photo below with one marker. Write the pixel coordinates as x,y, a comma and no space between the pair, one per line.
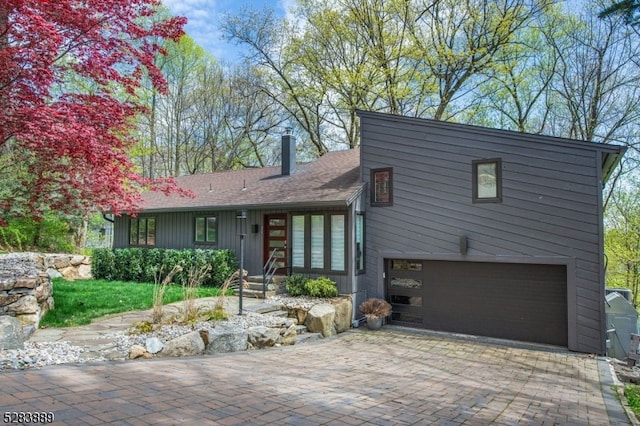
382,187
206,230
318,242
297,241
487,181
142,231
360,242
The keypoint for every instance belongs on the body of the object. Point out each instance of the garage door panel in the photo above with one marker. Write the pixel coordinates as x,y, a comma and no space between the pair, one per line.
513,301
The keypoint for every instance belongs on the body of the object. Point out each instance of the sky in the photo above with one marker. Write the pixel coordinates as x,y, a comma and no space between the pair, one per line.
203,18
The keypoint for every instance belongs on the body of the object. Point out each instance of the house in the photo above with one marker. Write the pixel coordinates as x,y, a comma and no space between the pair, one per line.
305,215
463,229
486,232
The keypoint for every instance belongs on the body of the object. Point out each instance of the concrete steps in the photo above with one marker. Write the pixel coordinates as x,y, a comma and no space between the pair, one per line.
254,287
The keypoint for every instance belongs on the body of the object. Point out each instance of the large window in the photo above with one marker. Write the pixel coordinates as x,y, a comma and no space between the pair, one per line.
487,181
382,187
142,231
318,242
206,230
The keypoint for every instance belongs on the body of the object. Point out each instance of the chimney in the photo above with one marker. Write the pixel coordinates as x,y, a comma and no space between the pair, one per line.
288,152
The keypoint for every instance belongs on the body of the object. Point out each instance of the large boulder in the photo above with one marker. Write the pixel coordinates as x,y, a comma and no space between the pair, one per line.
344,311
11,336
263,337
320,319
223,339
186,345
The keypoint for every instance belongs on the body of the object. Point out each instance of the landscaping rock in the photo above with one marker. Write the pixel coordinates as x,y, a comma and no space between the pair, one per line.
320,319
299,313
24,305
344,311
136,351
288,335
223,339
153,345
263,337
186,345
11,336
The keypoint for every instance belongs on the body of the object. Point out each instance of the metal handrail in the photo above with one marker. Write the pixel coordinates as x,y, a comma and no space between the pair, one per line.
268,271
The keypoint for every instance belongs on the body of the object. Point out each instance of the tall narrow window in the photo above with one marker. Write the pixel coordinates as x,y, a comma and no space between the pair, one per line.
382,187
338,252
360,242
487,181
142,231
317,241
297,241
206,230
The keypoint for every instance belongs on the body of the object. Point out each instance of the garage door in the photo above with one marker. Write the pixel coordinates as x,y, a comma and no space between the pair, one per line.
506,300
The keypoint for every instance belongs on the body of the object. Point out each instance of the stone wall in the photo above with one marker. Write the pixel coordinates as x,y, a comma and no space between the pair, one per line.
69,266
26,292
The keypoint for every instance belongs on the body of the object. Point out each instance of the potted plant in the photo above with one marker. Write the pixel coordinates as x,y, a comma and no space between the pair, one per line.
375,310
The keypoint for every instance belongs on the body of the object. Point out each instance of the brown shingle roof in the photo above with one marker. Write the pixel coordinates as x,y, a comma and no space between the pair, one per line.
333,179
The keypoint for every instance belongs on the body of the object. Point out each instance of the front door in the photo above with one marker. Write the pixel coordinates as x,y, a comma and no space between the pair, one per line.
275,241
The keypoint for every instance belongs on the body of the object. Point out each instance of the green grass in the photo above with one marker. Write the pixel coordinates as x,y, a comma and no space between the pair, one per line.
632,393
81,301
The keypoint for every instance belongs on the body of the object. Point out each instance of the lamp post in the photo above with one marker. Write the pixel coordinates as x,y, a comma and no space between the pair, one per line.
241,217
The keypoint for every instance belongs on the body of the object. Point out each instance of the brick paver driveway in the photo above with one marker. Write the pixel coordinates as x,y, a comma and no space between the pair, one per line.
391,376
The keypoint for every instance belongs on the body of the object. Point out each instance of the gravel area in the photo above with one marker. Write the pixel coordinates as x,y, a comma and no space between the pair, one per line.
36,355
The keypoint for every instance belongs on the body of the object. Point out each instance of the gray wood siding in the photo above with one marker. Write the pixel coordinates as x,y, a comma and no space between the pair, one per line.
175,230
550,205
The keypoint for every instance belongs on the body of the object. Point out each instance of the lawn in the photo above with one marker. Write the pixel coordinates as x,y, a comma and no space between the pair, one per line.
79,302
632,392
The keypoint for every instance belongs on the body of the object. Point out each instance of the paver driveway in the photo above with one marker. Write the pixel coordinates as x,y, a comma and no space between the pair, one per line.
392,376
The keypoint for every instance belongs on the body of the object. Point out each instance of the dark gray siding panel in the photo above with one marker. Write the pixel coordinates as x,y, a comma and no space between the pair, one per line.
550,203
175,230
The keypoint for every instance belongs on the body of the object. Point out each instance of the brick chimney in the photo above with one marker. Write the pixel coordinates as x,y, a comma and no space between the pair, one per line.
288,152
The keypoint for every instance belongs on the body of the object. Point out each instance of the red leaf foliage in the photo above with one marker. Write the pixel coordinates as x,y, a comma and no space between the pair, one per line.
69,71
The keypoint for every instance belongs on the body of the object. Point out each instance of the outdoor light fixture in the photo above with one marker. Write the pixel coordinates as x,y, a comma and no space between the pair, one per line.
241,218
464,244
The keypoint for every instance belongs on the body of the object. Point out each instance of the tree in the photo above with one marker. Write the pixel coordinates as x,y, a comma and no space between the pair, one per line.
622,240
267,40
69,71
630,9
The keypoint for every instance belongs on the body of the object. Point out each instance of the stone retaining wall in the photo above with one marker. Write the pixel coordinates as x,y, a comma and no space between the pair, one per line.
69,266
26,292
25,283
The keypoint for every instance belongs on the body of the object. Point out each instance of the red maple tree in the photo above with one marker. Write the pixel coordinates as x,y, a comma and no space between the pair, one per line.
69,72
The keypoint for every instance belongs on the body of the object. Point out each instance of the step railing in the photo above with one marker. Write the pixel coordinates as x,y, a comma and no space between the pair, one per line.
268,271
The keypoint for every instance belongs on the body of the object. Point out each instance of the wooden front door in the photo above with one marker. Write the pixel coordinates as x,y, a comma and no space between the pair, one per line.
275,241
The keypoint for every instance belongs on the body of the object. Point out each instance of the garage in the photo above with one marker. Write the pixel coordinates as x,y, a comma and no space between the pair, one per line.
517,301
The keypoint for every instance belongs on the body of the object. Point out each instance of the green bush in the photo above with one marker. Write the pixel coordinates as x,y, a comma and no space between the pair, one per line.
143,265
321,287
103,264
301,285
295,284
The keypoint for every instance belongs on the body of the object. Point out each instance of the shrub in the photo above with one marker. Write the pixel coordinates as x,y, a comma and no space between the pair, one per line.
295,284
321,287
103,264
142,265
301,285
